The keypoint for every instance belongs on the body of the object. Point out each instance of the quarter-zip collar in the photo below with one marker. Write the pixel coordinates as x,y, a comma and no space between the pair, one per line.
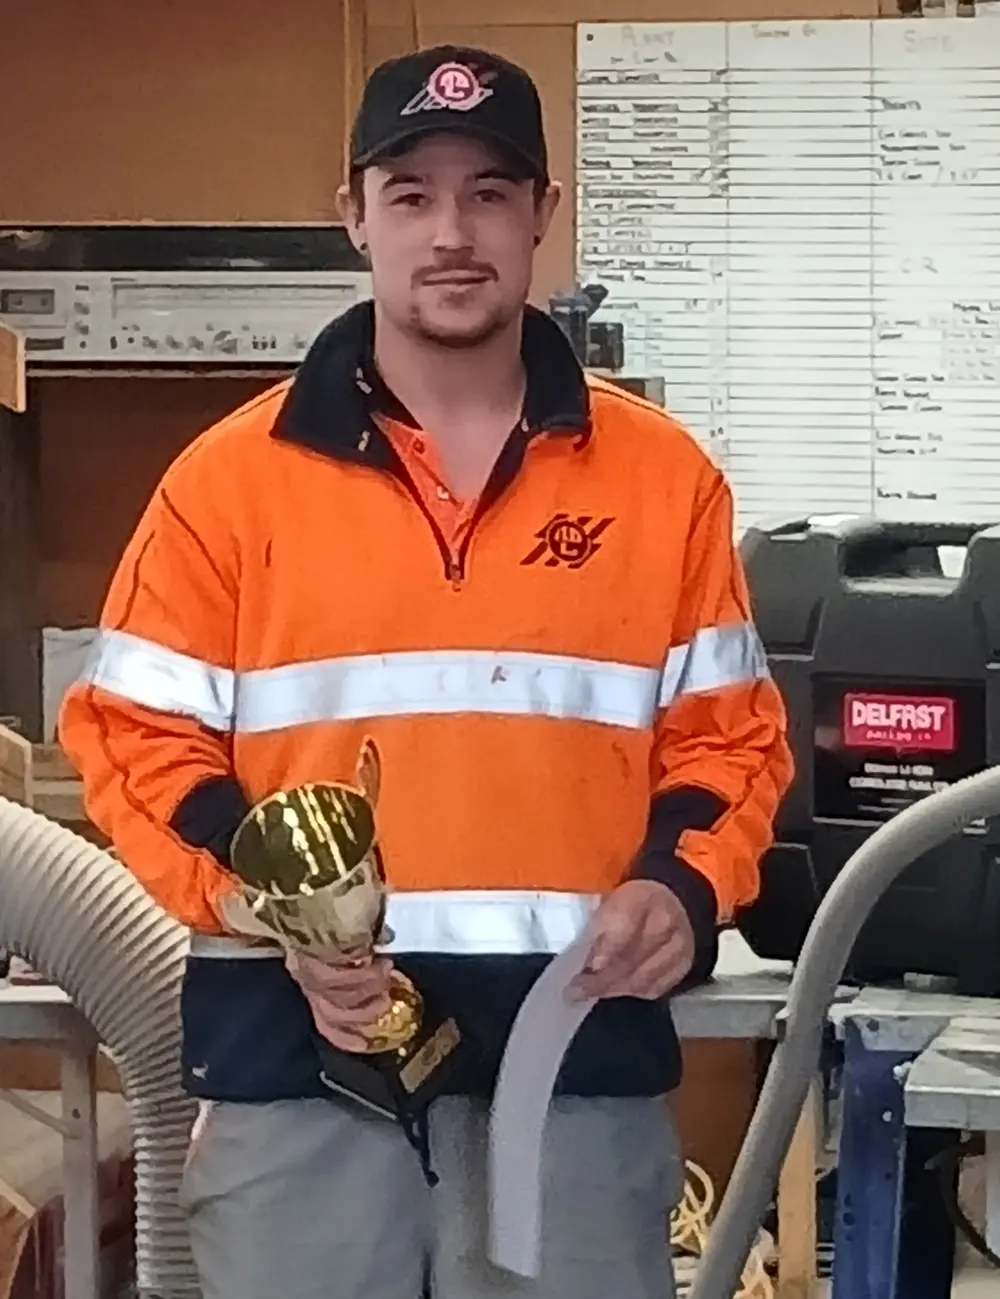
336,389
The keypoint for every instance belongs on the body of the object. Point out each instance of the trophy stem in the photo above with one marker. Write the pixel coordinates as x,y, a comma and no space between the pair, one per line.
396,1027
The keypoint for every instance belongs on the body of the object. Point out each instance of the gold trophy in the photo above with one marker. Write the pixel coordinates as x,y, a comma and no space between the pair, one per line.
313,877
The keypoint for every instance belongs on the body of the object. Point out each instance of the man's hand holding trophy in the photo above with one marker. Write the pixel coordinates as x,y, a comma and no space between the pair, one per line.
311,878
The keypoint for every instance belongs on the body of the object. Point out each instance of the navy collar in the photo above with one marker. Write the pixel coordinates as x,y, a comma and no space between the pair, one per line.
336,389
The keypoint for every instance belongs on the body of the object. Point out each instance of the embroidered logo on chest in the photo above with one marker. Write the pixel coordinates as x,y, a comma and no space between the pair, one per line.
567,542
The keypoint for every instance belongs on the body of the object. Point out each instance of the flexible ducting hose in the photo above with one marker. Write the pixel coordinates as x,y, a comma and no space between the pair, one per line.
820,967
79,918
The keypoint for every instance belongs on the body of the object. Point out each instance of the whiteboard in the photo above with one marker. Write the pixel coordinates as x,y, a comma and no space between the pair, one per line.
799,226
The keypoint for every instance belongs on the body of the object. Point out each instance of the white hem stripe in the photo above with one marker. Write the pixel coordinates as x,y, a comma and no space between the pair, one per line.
473,922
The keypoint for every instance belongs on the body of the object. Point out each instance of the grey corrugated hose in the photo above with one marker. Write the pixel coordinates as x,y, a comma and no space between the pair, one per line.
78,917
833,932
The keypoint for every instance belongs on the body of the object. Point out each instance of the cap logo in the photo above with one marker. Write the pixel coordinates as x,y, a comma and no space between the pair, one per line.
451,85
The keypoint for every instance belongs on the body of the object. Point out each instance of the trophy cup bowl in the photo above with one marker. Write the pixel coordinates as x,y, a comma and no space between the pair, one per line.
312,874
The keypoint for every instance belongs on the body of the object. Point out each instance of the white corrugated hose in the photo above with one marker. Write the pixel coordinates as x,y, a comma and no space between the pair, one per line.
79,918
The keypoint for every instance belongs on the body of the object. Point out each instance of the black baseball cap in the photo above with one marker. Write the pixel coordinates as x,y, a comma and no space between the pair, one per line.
450,88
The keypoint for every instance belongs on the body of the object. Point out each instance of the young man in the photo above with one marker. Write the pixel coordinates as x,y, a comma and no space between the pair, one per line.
522,586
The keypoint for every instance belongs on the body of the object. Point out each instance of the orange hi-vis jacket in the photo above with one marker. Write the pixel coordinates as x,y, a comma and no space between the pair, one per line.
565,692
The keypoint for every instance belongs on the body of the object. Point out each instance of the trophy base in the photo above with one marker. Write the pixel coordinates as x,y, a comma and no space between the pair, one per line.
399,1084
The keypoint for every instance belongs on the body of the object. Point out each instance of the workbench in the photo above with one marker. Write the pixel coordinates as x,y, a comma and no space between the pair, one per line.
40,1013
916,1066
747,1006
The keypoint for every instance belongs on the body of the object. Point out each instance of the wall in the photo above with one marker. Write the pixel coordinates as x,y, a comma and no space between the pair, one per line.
177,110
173,110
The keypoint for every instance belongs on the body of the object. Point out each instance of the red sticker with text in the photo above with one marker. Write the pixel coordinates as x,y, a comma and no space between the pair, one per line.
921,722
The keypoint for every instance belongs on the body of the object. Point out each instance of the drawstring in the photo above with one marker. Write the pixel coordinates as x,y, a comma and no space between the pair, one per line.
418,1133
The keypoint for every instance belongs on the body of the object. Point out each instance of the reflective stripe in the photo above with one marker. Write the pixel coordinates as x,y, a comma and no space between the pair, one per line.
447,681
518,684
219,948
375,685
715,658
162,679
486,923
474,922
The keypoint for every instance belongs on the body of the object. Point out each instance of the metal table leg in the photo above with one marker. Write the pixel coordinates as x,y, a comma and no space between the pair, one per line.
80,1161
870,1172
892,1237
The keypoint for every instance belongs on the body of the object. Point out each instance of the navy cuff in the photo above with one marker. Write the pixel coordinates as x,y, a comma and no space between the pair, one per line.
670,814
209,815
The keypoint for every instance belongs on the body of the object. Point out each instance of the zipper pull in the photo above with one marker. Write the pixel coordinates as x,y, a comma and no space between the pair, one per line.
455,572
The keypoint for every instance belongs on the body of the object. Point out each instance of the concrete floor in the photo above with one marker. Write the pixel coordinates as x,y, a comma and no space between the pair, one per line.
977,1284
974,1283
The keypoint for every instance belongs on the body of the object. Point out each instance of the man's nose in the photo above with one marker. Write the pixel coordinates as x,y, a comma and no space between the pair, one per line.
451,230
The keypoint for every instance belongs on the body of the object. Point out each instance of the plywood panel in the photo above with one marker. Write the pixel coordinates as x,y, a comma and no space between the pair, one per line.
386,41
181,111
104,445
354,66
391,28
528,12
713,1105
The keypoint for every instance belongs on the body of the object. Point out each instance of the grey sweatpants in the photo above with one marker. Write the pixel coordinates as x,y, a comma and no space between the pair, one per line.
312,1200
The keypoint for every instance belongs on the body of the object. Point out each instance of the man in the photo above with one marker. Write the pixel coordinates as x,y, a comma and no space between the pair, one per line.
522,586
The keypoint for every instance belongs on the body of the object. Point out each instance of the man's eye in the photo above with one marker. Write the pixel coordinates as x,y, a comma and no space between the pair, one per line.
491,195
408,200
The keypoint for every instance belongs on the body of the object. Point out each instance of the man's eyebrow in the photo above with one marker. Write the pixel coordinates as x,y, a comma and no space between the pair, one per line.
499,173
402,178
